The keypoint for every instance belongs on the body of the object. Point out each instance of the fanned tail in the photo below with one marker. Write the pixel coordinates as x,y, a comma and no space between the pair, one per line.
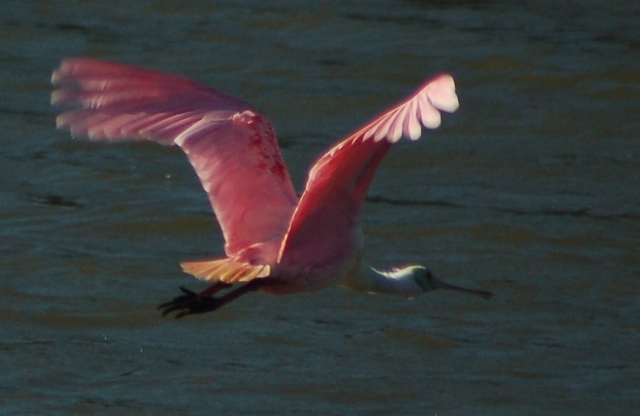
225,270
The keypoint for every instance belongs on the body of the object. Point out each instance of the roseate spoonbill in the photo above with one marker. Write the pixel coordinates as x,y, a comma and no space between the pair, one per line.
275,242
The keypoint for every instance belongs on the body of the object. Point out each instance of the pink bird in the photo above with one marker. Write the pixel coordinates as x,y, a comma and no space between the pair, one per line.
275,242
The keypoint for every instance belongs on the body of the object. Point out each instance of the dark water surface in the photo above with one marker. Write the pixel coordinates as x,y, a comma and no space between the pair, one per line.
531,190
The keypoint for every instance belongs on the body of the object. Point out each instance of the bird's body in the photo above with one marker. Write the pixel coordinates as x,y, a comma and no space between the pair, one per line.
274,241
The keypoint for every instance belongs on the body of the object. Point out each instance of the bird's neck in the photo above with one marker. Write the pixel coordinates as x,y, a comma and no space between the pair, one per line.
400,282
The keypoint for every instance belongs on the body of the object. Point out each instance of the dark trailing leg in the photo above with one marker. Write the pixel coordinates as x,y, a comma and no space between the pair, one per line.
192,303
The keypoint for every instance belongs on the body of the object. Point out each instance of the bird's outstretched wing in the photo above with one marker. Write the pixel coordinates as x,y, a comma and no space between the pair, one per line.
325,224
230,144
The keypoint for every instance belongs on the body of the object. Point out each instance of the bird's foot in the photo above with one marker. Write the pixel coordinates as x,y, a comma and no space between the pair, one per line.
189,304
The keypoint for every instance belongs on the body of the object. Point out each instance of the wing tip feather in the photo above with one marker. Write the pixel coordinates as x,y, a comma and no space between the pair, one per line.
421,109
441,91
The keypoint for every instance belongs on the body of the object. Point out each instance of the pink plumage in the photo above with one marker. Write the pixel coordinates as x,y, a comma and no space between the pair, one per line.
274,242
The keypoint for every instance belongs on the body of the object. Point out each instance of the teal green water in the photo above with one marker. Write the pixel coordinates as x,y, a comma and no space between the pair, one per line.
531,190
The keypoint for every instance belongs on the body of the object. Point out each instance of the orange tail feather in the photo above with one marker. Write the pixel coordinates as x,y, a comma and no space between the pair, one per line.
225,270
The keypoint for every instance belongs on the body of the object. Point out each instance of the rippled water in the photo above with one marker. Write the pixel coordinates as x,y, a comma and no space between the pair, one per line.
531,190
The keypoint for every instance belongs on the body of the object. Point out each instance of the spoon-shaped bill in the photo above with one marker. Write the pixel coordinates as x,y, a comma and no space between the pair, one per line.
447,286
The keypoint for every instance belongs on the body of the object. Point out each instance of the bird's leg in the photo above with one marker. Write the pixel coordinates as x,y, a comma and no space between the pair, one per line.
191,299
213,289
195,303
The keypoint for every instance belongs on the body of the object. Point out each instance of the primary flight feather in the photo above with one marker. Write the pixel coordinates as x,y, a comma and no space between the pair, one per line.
274,242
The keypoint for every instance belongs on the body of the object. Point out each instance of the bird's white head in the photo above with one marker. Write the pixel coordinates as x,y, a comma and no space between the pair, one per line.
428,282
407,281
